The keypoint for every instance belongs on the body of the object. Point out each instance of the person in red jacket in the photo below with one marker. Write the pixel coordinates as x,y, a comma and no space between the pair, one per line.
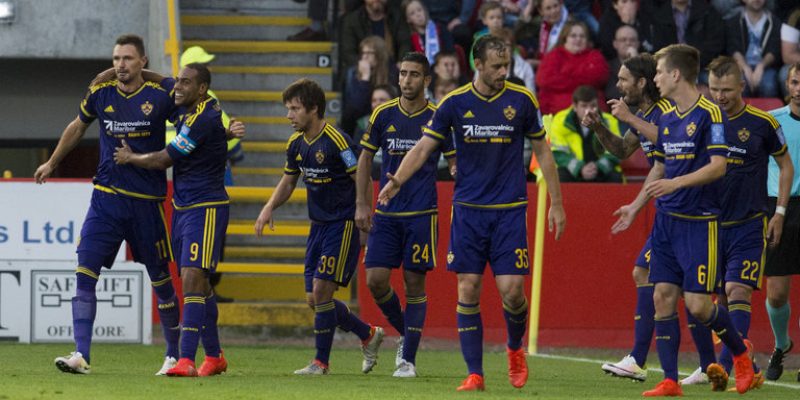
572,63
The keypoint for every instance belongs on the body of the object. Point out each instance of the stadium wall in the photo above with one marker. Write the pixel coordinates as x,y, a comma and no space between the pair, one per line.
588,296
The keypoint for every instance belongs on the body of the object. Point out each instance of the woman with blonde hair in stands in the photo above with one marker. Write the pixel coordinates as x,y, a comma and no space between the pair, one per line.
427,36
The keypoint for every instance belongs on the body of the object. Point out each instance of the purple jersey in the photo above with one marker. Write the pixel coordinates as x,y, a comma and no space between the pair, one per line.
139,119
652,115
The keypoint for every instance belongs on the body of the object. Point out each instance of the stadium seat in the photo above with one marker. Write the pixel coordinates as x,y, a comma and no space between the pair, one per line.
635,167
764,103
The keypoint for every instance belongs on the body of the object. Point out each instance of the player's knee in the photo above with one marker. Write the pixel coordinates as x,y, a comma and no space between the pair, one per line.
640,275
377,285
777,300
194,280
739,293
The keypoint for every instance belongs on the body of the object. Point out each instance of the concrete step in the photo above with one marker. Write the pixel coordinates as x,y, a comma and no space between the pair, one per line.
260,46
282,228
257,176
262,287
269,252
269,7
257,103
237,77
271,128
260,159
240,27
272,314
259,195
265,147
250,211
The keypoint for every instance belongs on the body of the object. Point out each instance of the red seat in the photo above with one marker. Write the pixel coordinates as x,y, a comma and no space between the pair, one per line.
636,167
764,103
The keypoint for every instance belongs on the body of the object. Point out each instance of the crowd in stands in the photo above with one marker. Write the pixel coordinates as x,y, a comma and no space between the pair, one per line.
559,45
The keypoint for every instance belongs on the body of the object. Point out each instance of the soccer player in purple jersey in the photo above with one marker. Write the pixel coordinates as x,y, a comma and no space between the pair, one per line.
327,159
753,137
126,203
406,232
690,159
198,154
488,121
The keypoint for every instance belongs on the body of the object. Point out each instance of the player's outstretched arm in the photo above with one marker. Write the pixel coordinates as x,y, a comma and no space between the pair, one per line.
785,177
70,138
155,160
710,172
621,111
621,147
628,212
363,190
281,194
411,163
556,217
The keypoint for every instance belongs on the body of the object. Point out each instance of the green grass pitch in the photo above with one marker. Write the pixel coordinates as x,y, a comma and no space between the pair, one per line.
265,372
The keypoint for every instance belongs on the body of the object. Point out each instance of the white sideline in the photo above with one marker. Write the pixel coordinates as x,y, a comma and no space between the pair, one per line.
600,362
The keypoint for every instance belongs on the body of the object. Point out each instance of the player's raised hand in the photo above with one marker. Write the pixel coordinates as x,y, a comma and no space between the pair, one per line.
389,190
620,110
556,218
236,129
363,217
591,118
264,218
122,155
43,172
775,230
661,187
626,214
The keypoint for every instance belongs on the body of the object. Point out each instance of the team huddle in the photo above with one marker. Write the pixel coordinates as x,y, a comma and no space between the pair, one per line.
711,174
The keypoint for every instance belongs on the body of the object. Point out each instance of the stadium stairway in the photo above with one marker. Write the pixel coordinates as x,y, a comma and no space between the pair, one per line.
253,65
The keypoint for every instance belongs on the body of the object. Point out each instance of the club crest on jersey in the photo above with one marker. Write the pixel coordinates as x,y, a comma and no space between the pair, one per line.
365,137
320,156
147,108
509,112
450,257
743,134
691,128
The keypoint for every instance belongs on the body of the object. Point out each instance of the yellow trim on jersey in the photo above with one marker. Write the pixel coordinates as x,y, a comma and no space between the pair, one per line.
368,146
337,137
764,232
85,112
765,115
713,109
406,213
166,231
199,110
726,224
433,133
382,107
204,204
292,138
116,190
104,189
738,114
161,282
406,113
711,278
194,299
490,99
87,272
717,146
536,135
208,237
463,89
102,85
780,152
321,134
664,105
449,154
693,217
135,92
468,310
683,114
494,206
434,235
343,250
524,90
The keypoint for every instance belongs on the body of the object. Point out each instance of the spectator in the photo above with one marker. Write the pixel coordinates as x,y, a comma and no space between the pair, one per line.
571,64
623,12
579,155
753,40
731,8
518,68
539,35
374,69
380,94
446,67
441,88
372,19
512,9
695,23
582,11
626,45
457,20
427,36
318,14
790,44
491,14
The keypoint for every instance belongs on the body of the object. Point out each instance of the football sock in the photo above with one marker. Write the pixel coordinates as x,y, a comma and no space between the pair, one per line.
516,322
84,310
194,312
416,308
739,312
703,341
470,334
668,340
779,321
721,323
643,323
169,314
349,322
324,328
210,332
389,303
